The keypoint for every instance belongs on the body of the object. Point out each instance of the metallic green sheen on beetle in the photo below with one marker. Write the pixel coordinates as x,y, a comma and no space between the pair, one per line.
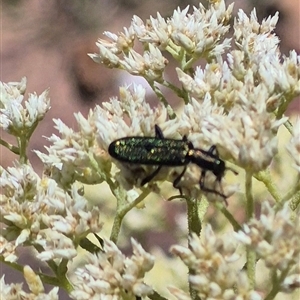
160,151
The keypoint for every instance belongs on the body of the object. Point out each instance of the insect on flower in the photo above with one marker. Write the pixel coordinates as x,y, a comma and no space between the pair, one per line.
160,151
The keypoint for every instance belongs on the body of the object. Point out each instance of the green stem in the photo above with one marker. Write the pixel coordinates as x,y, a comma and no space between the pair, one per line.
236,226
177,52
194,226
122,209
22,143
60,281
194,222
163,100
276,282
12,148
116,227
289,126
23,140
52,265
295,201
187,65
293,195
179,92
65,283
12,265
62,267
282,109
46,279
265,177
95,165
60,272
251,262
249,196
251,255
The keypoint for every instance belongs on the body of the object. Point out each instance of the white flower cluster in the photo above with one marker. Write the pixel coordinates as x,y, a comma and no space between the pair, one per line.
236,104
213,273
275,239
111,275
15,118
38,211
215,268
75,155
230,103
82,155
14,291
199,34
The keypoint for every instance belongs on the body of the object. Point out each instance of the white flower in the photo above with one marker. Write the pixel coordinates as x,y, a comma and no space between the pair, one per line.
111,274
150,65
8,250
55,245
30,203
16,118
156,32
274,237
213,275
13,290
33,280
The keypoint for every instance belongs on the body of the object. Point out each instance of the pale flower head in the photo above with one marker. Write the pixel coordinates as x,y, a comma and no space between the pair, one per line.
149,65
200,33
74,154
33,280
274,237
15,291
55,246
212,261
111,274
16,118
29,204
232,114
228,104
8,250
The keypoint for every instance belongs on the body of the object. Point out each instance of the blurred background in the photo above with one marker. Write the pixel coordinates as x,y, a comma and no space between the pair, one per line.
48,42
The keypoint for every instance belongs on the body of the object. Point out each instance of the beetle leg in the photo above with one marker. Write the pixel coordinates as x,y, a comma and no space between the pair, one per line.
177,180
202,178
213,150
158,132
151,176
205,189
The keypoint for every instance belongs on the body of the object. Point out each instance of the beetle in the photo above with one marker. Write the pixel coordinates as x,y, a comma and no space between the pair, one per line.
160,151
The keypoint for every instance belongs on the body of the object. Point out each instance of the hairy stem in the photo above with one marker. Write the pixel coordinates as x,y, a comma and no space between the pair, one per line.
194,226
12,148
236,226
265,177
251,255
123,208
